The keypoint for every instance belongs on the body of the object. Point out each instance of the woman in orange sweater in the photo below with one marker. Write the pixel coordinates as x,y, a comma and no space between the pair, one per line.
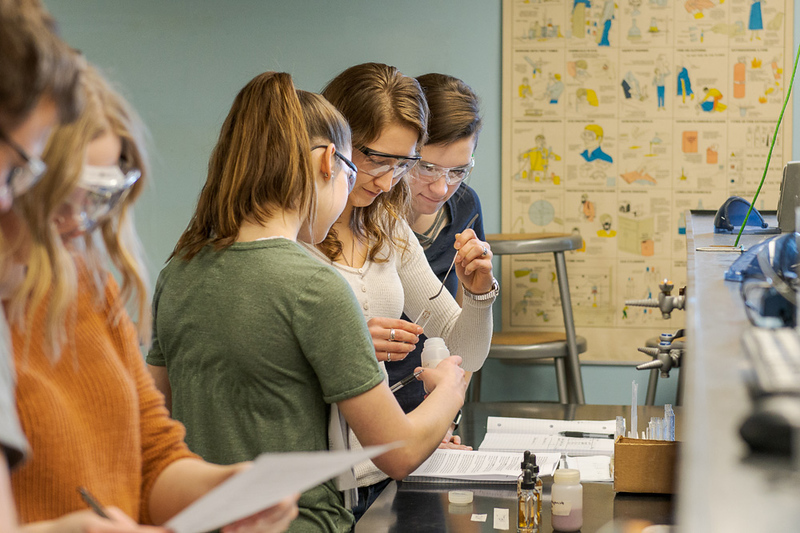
38,89
88,406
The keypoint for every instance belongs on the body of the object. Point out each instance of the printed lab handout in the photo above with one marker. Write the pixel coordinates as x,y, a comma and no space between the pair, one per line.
540,436
273,477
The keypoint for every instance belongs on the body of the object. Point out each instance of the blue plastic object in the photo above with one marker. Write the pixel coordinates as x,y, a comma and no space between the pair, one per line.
731,215
783,258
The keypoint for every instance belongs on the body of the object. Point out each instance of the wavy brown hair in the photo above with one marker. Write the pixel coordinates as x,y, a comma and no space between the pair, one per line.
373,96
454,107
260,166
51,277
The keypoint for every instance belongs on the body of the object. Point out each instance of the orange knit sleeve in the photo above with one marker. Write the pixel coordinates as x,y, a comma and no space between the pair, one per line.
161,436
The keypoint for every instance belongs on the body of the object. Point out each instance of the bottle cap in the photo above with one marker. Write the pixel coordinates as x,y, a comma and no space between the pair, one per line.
434,341
527,480
569,476
460,497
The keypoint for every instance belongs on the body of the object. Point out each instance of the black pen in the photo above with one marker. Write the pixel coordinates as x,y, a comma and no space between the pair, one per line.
91,502
405,381
586,435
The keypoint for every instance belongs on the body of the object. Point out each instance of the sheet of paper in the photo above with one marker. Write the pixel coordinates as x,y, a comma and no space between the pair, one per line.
480,465
273,477
518,442
500,518
593,468
542,426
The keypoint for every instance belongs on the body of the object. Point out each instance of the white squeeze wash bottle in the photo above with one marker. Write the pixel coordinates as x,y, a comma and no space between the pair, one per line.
434,352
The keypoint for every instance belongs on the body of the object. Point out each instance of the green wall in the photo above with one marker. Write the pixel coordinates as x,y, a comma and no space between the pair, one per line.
181,62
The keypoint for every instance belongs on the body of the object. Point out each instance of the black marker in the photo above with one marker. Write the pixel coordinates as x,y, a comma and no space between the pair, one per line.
91,502
405,381
586,435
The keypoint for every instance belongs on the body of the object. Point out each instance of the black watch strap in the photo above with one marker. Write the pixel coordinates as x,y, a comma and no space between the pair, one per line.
457,420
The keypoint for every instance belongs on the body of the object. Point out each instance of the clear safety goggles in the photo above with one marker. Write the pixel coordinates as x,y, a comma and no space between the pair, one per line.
100,191
378,164
431,172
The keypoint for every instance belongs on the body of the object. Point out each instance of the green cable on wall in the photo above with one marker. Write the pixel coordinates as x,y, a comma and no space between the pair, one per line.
771,146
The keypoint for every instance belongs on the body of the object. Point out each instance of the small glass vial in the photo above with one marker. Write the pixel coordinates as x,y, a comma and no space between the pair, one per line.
434,352
526,505
567,500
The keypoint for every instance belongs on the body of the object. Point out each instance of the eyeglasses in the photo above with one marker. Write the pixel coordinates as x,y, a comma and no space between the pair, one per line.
431,172
22,177
378,164
352,170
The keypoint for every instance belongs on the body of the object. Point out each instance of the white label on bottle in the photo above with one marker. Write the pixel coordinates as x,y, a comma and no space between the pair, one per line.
561,508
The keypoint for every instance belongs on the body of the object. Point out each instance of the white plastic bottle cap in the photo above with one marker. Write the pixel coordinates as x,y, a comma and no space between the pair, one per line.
568,476
460,497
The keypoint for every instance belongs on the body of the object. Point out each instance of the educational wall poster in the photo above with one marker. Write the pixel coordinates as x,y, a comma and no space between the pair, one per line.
618,116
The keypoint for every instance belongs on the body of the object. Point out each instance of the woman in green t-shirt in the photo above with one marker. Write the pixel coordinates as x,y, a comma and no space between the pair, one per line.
254,339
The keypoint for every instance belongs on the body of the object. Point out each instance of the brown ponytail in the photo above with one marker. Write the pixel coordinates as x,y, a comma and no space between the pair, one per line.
260,165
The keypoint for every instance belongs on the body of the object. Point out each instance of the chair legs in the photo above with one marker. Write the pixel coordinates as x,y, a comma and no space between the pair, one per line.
561,380
569,325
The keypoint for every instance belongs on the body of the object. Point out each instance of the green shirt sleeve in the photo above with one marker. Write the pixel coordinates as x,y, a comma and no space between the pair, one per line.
155,356
334,337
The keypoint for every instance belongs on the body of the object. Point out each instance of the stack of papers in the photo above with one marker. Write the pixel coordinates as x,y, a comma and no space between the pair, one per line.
542,436
447,466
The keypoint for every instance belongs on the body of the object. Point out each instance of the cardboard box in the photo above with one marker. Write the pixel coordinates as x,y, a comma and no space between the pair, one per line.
645,466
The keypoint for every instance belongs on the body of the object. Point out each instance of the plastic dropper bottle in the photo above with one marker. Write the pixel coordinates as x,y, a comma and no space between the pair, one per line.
567,500
526,459
434,352
526,502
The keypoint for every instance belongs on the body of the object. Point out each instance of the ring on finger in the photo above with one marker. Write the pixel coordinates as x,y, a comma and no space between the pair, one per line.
485,251
388,357
391,334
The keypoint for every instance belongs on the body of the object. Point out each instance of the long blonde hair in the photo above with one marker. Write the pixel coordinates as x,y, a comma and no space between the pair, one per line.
51,278
373,96
260,166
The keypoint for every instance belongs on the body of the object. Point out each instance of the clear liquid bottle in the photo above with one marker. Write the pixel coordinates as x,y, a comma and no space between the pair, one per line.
567,500
526,505
434,352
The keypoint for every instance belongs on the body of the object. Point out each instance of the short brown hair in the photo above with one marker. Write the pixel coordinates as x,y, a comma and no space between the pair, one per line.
373,96
454,107
261,164
35,62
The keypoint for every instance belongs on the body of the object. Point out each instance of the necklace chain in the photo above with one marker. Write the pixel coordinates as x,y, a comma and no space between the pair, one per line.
426,238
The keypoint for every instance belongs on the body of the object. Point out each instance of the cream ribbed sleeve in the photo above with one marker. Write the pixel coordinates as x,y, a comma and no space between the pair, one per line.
403,283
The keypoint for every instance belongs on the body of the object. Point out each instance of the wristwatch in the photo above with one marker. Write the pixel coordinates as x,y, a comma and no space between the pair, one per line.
457,420
493,292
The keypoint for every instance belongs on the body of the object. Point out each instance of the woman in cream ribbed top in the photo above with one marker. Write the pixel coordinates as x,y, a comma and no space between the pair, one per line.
372,246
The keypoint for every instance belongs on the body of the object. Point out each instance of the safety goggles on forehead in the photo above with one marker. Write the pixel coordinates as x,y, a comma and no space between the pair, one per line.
431,172
350,168
22,177
99,192
378,164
